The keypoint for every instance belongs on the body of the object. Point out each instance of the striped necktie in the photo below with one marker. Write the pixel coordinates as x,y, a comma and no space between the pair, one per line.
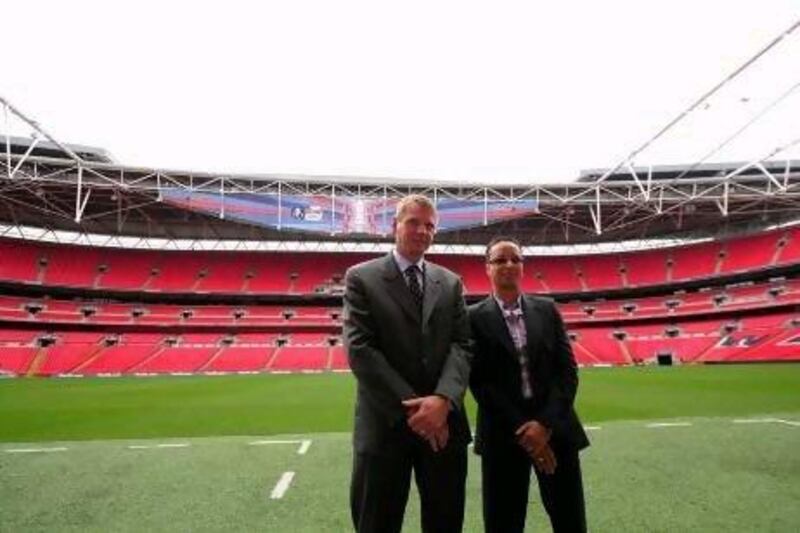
413,284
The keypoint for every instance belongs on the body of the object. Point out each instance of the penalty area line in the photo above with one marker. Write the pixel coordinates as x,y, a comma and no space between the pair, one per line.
304,446
302,449
282,486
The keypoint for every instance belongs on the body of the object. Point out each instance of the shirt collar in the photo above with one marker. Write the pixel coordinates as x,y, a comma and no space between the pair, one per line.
502,304
404,263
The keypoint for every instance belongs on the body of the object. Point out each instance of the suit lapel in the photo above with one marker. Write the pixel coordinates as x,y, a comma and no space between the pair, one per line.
431,295
396,288
533,326
494,319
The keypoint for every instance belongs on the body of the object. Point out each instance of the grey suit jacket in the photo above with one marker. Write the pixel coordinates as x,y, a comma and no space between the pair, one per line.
396,354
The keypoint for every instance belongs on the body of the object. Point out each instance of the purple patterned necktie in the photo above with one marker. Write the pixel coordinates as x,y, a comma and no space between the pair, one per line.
514,318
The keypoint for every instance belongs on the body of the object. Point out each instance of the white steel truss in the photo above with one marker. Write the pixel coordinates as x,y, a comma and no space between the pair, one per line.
73,193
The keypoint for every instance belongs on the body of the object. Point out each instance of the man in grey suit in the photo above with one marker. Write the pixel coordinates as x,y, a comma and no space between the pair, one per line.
407,337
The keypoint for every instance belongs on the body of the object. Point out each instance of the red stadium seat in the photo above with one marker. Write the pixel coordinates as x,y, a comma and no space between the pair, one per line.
241,359
175,360
20,261
16,360
297,358
645,268
696,261
71,266
119,359
753,253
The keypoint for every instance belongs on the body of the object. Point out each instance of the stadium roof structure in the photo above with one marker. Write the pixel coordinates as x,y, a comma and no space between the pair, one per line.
56,187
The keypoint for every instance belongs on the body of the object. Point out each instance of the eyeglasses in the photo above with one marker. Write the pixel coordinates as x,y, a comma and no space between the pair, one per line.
505,260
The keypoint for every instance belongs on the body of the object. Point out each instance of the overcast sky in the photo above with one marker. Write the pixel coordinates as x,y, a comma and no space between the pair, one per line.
457,90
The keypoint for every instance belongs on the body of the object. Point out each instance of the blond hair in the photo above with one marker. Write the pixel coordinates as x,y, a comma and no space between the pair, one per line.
413,199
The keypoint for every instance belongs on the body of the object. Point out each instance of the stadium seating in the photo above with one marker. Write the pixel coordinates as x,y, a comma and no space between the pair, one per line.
645,268
309,339
20,261
175,360
268,273
601,347
789,252
242,359
472,272
647,343
781,346
695,261
92,332
116,360
64,358
223,276
770,321
558,274
126,269
179,273
271,275
753,253
14,337
338,359
300,358
601,272
71,266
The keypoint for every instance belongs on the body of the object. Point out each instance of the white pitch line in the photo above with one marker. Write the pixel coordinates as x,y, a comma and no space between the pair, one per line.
787,422
754,420
35,450
156,446
282,486
301,450
668,424
304,446
266,442
592,428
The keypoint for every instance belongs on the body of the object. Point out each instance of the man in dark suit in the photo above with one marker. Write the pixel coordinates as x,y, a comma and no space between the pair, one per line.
407,337
524,378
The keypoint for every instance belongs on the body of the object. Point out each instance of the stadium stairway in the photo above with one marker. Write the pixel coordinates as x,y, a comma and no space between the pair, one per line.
35,363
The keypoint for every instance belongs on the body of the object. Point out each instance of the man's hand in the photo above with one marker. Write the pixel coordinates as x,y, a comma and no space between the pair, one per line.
427,415
533,437
438,440
545,460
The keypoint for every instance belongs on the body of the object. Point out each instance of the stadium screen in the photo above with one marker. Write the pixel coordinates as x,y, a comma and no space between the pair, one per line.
342,215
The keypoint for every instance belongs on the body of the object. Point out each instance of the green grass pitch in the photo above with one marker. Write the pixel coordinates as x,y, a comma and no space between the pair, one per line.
714,473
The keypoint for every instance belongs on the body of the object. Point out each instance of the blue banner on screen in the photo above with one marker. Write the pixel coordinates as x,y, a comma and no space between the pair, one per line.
342,215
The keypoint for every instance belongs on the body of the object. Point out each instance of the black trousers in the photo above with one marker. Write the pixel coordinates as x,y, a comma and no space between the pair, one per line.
506,471
380,486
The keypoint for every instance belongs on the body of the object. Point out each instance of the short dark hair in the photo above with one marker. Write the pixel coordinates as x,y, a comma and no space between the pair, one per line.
499,239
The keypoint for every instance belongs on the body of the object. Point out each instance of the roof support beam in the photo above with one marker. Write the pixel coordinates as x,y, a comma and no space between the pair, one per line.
597,213
37,128
23,158
80,203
